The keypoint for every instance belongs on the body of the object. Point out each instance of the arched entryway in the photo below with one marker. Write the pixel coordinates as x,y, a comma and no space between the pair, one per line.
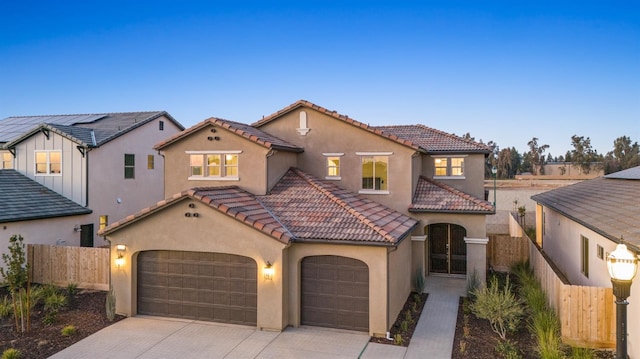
447,248
216,287
334,292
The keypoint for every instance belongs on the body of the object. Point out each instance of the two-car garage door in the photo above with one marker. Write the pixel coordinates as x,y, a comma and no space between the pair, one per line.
196,285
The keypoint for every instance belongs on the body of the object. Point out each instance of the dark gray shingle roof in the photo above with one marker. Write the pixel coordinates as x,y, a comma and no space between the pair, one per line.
606,205
22,199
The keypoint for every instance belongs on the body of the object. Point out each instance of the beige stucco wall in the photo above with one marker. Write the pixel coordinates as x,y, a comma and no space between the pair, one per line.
277,165
473,181
51,231
212,231
329,135
399,278
252,170
561,242
374,257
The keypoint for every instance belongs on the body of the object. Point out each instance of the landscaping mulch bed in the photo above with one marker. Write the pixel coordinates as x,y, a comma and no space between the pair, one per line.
410,314
86,311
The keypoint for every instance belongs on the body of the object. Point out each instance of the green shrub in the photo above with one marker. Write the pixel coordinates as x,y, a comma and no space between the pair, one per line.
508,350
11,353
546,329
111,304
6,307
72,289
69,330
582,353
397,339
473,283
499,306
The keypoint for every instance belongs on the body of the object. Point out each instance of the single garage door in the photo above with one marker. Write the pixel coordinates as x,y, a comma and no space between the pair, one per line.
335,293
214,287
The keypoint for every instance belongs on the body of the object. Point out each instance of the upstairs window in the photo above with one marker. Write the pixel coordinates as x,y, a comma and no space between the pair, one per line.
333,165
452,167
213,165
584,256
104,221
7,161
151,162
375,172
161,125
48,163
129,166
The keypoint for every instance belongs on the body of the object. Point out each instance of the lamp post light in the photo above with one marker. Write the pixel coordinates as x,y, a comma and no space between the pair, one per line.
494,170
622,265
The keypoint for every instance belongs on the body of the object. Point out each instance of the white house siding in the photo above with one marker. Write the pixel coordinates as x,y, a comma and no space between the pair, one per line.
561,242
72,182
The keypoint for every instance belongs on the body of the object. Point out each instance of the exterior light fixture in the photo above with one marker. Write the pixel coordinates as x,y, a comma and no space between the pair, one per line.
622,265
268,271
120,248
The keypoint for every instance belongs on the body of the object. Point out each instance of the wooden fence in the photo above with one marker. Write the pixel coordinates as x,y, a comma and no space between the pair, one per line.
60,265
587,314
503,250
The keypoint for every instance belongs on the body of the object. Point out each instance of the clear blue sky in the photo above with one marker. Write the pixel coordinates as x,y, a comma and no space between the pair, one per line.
502,70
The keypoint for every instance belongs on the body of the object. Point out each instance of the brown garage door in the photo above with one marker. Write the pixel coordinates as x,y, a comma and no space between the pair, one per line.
214,287
335,293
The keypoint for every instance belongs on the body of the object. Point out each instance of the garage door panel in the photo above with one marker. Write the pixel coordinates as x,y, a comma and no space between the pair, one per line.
335,292
203,286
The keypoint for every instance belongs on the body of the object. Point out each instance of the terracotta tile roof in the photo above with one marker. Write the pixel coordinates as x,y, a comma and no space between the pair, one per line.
300,208
606,205
24,199
432,140
433,196
230,200
317,210
418,137
251,133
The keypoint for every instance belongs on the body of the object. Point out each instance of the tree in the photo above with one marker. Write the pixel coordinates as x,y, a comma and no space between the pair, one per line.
508,163
16,277
624,155
583,155
536,156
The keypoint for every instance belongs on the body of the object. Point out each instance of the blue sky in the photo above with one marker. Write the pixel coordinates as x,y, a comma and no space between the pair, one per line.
502,70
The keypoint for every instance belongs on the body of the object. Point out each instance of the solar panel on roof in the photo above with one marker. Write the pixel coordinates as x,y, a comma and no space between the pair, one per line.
12,127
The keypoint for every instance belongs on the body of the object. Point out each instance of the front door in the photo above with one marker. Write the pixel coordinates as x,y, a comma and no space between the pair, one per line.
447,249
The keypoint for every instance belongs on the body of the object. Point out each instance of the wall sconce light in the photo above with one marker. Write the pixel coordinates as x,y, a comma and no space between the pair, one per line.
120,248
77,228
268,271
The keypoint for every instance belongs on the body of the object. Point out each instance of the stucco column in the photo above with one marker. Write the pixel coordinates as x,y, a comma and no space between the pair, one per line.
477,258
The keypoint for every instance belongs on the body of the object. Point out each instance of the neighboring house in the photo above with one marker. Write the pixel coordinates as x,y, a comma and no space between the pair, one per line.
102,162
579,225
38,214
305,217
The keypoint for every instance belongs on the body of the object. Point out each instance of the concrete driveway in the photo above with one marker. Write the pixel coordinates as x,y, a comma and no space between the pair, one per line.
153,337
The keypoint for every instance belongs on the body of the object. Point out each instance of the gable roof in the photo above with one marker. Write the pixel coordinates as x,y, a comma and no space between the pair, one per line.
300,208
417,137
434,196
91,130
24,199
251,133
606,205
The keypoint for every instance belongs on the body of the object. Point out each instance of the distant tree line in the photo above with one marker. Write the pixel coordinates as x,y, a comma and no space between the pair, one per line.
509,163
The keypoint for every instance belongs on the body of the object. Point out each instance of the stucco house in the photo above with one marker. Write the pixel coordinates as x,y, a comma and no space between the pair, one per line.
579,225
103,163
306,217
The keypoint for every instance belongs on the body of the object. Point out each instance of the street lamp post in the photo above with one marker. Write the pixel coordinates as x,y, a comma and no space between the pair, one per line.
622,265
494,170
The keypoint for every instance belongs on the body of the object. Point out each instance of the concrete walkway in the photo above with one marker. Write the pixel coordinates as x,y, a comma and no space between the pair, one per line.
152,337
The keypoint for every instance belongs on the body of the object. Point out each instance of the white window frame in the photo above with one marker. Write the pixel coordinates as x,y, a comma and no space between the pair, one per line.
449,167
48,163
328,156
223,166
375,154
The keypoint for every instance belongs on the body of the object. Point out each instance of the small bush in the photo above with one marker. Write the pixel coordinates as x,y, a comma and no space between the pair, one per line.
72,289
6,307
397,339
473,283
419,281
499,306
69,330
546,329
508,350
11,353
110,305
582,353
